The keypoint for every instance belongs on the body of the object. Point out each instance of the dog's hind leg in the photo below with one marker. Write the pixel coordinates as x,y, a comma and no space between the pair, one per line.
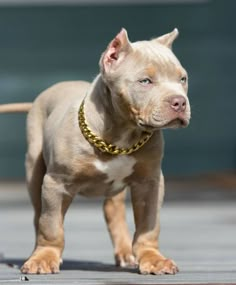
34,164
114,213
35,170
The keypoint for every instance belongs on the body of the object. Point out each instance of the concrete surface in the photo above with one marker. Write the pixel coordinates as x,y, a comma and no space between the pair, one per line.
200,235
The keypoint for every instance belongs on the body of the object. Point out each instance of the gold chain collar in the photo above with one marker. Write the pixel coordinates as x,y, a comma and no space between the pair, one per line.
101,144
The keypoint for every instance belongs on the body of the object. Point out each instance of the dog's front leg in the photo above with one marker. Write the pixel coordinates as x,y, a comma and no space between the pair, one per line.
147,199
46,256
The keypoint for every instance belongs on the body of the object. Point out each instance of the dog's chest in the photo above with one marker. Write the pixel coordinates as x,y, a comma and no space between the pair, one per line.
109,177
116,171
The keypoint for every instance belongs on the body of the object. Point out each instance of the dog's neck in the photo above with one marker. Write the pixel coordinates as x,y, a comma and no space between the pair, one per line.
105,121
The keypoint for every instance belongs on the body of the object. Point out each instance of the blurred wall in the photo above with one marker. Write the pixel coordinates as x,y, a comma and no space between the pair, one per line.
40,46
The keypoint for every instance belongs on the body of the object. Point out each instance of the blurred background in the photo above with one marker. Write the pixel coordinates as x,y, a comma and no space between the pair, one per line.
44,42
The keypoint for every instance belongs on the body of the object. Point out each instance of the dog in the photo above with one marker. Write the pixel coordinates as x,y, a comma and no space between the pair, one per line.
101,139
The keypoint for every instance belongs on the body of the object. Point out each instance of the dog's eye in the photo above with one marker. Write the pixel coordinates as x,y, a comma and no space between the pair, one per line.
183,80
145,81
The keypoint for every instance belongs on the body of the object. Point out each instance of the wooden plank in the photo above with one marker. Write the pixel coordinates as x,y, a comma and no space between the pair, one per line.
198,235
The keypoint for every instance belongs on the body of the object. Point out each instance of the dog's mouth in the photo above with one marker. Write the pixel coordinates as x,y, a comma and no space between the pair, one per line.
174,124
147,128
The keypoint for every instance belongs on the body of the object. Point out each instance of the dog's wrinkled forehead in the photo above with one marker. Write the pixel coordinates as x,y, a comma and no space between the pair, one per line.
156,53
122,55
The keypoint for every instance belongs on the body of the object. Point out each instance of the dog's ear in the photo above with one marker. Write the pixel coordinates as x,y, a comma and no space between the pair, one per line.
116,51
168,39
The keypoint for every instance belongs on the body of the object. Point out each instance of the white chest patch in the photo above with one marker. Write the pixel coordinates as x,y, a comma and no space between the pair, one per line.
116,170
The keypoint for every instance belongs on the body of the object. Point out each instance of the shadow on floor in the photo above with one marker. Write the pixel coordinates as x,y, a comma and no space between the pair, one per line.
76,265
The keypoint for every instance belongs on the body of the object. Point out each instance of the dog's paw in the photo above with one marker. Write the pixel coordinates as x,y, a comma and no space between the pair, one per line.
42,262
154,264
125,258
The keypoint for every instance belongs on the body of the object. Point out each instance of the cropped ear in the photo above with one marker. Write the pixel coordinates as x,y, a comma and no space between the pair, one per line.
116,51
168,39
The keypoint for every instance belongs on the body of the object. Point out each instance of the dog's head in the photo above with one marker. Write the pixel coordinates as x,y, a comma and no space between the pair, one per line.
148,84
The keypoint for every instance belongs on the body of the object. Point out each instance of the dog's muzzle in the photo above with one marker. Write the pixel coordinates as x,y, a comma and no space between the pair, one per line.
173,112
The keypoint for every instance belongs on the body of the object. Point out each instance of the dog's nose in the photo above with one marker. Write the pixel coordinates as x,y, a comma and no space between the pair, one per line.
178,103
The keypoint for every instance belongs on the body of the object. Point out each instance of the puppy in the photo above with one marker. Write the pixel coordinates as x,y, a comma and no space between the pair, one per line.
100,139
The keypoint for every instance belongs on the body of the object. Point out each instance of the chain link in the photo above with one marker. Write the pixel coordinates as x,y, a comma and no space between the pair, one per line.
101,144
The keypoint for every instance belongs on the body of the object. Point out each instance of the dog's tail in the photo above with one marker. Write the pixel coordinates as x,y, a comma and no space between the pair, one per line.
15,108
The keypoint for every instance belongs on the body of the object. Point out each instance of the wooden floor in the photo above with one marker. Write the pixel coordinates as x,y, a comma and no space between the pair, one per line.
199,234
